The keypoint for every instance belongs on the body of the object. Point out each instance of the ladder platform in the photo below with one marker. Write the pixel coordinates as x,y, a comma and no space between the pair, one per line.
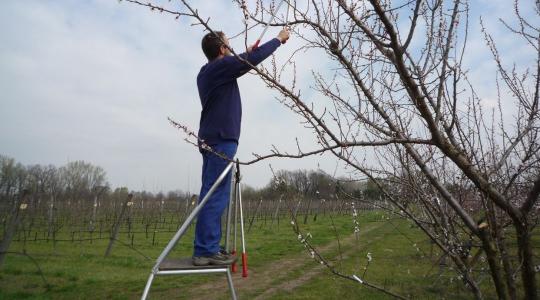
186,263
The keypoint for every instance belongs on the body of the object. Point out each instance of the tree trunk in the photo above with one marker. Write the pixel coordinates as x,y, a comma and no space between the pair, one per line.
117,224
526,257
494,266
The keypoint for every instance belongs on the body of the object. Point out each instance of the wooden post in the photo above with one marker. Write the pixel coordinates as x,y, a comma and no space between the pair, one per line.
276,213
255,214
94,213
19,205
308,210
51,217
117,224
297,207
321,202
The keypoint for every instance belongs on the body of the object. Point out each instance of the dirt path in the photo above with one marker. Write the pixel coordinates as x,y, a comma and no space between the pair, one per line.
265,281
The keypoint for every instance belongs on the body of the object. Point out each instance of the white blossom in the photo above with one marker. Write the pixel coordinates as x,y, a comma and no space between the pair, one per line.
358,279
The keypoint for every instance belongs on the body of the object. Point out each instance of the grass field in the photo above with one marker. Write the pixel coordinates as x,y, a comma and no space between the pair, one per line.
279,266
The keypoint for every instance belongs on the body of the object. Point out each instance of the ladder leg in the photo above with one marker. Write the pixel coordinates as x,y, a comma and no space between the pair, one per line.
231,286
234,266
147,287
229,215
244,253
190,218
239,198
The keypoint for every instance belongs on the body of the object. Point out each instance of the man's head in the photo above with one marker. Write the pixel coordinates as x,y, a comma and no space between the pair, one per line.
213,46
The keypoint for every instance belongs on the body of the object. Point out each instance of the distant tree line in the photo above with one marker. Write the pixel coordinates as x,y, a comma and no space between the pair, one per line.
77,182
314,184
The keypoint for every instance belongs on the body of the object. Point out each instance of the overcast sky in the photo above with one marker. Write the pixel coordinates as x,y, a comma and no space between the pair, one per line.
95,80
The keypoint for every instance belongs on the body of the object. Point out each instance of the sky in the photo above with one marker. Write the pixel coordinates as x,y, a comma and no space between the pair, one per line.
95,80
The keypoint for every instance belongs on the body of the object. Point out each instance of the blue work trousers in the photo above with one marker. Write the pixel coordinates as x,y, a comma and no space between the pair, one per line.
208,228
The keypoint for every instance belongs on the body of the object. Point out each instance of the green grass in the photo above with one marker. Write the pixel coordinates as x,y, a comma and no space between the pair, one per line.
396,265
78,270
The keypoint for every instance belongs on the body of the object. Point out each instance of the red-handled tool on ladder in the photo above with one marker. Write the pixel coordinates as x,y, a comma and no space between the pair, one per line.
239,198
233,267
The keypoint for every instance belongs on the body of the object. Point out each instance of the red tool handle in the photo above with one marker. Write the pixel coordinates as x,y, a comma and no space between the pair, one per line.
233,267
256,45
244,265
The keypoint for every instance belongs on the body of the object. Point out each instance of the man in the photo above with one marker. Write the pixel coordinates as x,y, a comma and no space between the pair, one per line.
219,128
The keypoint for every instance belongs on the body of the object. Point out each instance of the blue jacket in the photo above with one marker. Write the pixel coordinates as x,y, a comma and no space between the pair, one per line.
221,113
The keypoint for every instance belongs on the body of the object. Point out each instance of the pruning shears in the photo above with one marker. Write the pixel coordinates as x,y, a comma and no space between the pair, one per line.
256,45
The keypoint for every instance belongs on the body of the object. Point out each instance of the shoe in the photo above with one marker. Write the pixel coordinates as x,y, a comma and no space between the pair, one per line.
216,259
222,259
200,261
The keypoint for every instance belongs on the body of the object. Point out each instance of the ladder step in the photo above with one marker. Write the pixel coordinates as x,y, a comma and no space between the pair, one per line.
186,263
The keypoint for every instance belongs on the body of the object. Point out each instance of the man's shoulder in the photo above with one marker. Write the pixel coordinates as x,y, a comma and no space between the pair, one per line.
202,72
202,69
211,66
216,68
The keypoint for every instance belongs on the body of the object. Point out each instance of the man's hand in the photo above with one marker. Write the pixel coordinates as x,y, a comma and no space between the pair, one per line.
283,35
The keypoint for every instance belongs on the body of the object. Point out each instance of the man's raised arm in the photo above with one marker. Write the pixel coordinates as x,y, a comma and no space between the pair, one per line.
237,68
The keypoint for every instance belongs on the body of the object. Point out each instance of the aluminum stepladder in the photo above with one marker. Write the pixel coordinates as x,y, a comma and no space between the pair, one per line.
164,266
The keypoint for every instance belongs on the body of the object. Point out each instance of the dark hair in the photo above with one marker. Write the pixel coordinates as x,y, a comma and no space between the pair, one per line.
211,43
